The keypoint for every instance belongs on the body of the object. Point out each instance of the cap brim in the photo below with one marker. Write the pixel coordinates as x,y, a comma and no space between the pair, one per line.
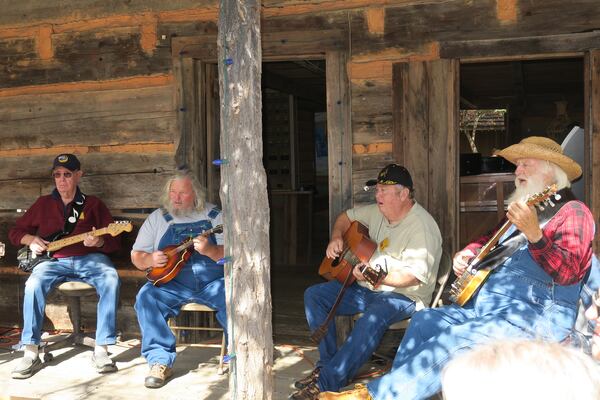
371,182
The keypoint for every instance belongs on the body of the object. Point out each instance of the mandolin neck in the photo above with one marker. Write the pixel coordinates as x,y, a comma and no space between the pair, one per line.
190,242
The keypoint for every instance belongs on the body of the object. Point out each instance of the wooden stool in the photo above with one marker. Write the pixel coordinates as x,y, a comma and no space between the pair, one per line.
74,291
200,308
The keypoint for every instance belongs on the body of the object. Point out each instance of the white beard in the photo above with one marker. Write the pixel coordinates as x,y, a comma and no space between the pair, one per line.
178,212
523,191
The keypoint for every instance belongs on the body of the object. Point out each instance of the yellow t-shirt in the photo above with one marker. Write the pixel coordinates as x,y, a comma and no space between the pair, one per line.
414,244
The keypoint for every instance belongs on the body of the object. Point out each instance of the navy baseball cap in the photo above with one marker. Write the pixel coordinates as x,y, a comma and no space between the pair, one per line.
393,174
68,161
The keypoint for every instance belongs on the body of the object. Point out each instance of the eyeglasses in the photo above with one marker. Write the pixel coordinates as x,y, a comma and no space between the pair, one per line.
57,175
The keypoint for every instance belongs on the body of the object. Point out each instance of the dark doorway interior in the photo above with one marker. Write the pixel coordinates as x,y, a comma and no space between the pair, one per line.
295,160
502,103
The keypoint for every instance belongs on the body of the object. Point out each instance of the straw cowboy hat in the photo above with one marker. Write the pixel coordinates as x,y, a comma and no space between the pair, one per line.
541,148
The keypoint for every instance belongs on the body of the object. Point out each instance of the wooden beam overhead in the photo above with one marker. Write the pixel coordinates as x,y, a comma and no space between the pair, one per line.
524,46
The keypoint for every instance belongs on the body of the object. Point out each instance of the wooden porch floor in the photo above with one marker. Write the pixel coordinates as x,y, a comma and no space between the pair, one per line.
71,375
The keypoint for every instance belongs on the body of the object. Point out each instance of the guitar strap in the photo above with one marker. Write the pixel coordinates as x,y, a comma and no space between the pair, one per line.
76,211
24,254
516,240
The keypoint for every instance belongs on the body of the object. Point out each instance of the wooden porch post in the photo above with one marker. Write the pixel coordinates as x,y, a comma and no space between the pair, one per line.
244,199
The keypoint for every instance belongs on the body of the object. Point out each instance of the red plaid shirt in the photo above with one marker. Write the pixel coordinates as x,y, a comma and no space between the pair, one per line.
565,249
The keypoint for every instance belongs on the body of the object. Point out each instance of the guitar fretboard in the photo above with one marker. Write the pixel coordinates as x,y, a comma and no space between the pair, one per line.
59,244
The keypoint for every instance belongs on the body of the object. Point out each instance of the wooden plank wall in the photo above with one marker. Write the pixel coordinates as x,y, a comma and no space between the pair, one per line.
98,79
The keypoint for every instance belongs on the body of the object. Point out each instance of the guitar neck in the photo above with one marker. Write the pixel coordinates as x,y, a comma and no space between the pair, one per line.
59,244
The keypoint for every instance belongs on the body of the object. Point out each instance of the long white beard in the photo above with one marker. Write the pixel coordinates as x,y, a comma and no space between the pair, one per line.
522,192
178,212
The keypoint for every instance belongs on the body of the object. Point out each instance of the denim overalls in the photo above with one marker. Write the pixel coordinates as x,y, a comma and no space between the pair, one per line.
519,300
199,281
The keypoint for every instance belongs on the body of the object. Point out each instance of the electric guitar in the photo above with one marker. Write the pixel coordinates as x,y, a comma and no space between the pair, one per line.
28,259
472,279
177,256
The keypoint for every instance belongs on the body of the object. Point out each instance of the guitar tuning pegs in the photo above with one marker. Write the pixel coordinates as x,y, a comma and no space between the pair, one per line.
551,203
557,197
541,207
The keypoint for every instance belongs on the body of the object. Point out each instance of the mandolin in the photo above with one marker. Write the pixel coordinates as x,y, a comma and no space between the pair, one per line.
177,256
28,259
472,279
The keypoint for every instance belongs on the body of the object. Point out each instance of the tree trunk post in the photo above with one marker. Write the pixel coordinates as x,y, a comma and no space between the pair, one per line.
245,202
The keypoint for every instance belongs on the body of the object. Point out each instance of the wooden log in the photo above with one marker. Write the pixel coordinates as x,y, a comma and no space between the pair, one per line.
244,196
339,134
105,163
371,111
370,162
275,46
93,55
135,190
34,11
478,20
593,89
549,45
87,118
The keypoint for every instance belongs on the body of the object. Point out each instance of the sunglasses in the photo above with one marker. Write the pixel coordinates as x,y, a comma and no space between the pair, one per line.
57,175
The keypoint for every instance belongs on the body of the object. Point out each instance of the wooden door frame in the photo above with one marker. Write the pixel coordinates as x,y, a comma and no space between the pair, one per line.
277,47
426,138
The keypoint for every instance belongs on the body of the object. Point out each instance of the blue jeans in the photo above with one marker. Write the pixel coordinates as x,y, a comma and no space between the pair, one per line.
155,305
95,269
510,305
380,310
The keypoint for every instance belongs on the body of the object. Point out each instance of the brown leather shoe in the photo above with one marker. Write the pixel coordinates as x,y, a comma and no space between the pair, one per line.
311,392
309,380
359,392
159,374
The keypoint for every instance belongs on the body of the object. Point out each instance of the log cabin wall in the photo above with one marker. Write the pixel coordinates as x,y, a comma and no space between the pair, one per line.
97,79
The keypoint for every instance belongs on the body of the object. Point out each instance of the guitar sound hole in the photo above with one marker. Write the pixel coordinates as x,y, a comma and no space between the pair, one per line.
335,262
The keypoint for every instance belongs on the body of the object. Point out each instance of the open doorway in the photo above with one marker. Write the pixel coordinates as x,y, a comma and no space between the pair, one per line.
501,103
295,160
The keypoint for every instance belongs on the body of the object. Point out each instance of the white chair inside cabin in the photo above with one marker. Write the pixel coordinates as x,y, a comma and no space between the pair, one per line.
195,307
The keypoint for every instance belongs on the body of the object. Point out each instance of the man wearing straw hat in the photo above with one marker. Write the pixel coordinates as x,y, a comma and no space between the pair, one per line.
532,291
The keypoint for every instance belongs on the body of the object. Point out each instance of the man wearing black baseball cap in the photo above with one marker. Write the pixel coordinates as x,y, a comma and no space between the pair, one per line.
67,212
409,248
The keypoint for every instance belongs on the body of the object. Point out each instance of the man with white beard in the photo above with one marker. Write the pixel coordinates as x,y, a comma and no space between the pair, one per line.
532,291
184,215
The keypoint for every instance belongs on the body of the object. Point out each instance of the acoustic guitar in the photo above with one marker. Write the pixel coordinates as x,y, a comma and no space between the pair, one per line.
472,279
28,259
358,247
177,256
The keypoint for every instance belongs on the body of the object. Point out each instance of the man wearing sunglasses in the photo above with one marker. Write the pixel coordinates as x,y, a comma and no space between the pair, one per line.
67,212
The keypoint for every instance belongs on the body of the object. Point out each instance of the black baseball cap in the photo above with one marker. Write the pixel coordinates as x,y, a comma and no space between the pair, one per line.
393,174
68,161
